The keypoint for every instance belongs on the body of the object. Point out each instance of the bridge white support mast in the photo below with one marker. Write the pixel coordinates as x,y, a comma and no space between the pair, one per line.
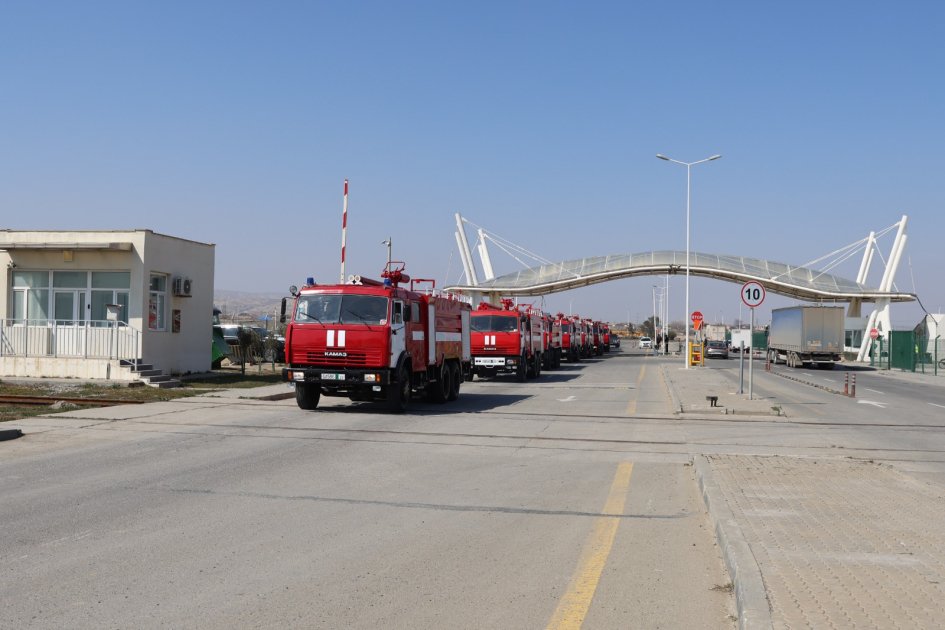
464,253
879,318
484,256
856,305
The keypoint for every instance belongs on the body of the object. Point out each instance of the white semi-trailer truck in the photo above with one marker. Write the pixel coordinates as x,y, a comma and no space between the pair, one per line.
806,335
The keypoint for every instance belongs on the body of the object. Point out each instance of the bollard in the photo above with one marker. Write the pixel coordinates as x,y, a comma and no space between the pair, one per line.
846,384
853,386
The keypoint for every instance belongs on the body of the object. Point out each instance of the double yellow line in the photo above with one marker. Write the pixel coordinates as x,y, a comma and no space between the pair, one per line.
574,604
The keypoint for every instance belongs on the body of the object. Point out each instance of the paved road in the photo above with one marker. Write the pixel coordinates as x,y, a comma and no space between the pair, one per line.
572,498
523,506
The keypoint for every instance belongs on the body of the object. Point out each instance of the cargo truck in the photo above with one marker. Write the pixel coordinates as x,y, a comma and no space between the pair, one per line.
739,337
806,335
714,332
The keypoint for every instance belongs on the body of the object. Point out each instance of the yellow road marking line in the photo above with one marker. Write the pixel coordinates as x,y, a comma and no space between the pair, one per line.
574,604
632,407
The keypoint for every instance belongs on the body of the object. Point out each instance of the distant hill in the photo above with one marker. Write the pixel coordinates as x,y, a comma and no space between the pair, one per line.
240,306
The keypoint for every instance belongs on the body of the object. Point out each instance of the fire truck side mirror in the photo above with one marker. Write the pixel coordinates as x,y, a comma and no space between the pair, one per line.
407,313
282,312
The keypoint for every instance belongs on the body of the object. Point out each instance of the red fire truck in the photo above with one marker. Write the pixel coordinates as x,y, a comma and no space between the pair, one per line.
506,339
595,337
376,340
605,337
570,338
553,337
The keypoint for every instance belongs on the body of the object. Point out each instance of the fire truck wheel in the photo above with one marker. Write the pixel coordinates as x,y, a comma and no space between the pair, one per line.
398,394
534,366
456,379
307,395
439,390
521,372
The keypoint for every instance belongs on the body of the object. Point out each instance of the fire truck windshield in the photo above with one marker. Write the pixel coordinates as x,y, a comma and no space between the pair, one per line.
335,308
493,323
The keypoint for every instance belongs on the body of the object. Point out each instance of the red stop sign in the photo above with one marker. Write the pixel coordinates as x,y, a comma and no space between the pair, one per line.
874,333
696,316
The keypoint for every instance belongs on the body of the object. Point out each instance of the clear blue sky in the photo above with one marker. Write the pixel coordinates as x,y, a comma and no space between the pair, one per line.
236,123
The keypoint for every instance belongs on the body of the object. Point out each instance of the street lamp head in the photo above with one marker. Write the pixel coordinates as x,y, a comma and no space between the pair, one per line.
663,157
714,157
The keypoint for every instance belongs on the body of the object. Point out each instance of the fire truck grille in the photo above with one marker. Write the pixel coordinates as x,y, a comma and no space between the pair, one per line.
354,358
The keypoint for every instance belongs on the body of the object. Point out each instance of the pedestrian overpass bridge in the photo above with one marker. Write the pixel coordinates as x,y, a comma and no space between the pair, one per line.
802,283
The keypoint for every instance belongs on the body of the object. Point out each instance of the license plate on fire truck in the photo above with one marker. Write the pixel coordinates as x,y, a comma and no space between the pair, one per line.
333,377
490,361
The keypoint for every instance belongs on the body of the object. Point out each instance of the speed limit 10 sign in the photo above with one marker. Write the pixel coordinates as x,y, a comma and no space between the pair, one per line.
753,294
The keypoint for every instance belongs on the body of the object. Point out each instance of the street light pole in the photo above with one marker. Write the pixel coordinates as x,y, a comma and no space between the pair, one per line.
688,166
653,338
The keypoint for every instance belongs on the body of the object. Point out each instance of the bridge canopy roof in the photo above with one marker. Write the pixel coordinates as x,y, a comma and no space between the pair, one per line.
799,282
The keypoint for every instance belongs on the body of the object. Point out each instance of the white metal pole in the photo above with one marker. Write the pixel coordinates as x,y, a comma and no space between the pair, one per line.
751,351
688,166
653,338
686,318
666,327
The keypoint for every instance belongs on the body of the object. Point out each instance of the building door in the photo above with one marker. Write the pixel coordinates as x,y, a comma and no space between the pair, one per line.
69,315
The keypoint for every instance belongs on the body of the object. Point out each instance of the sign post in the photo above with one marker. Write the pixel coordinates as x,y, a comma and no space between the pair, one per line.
753,294
696,318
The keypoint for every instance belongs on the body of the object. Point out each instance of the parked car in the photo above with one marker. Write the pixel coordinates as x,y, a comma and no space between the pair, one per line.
270,344
716,349
646,342
614,341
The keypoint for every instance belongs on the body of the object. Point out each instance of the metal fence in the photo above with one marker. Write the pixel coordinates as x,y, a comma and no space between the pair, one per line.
909,352
931,355
97,339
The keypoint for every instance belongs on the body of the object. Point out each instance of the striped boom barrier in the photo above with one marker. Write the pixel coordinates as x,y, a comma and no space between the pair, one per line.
344,231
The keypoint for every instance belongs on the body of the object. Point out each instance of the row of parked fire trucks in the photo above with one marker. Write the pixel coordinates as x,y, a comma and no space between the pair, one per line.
525,340
390,339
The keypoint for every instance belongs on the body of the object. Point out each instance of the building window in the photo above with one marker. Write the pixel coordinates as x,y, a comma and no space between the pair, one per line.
31,295
157,302
110,287
71,297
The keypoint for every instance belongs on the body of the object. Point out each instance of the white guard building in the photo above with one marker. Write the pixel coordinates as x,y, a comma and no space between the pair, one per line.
99,304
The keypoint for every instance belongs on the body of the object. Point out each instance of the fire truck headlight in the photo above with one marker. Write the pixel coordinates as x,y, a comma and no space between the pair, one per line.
512,361
297,376
371,378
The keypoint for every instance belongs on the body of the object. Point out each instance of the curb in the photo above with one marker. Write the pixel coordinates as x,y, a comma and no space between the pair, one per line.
10,434
671,388
754,613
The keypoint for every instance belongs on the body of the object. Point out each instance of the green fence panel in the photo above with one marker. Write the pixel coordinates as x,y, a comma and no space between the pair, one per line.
902,350
759,340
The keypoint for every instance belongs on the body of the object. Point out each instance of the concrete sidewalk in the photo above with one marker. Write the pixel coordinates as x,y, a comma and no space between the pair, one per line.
818,543
691,390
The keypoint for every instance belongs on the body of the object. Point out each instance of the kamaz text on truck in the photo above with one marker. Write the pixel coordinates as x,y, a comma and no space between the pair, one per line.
370,340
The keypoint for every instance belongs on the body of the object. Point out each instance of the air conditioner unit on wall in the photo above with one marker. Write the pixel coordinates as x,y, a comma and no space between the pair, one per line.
182,286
